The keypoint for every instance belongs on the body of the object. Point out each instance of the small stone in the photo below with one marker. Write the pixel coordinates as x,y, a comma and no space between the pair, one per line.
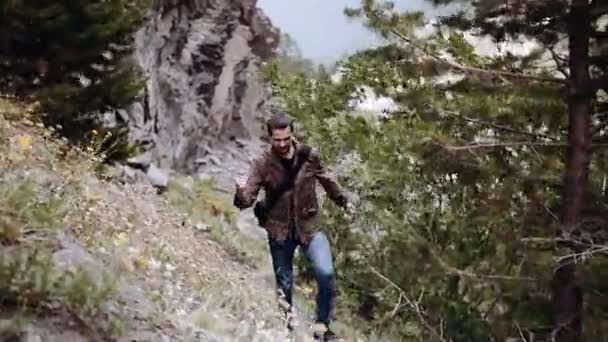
157,177
215,160
201,227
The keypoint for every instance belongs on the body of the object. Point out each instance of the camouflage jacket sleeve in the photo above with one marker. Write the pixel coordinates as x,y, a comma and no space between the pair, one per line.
246,195
328,181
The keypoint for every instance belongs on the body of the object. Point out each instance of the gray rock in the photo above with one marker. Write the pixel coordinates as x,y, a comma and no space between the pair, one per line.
141,161
157,176
136,302
51,331
130,175
201,59
74,255
201,227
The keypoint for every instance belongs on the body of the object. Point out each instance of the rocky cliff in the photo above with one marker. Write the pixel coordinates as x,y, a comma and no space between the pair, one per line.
201,58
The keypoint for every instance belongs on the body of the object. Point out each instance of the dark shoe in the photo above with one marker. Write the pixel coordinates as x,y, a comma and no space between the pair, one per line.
330,336
290,324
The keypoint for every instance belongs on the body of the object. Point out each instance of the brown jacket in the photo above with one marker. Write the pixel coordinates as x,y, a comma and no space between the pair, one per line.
268,172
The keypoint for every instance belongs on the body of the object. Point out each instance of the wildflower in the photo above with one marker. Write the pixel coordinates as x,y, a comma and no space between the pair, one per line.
24,141
120,238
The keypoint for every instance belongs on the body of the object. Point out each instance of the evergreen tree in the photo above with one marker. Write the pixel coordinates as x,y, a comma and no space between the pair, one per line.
460,232
71,56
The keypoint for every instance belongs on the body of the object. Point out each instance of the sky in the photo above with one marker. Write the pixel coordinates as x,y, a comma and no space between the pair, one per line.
320,28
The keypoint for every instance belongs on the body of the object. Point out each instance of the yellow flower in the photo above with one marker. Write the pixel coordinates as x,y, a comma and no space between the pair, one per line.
120,238
24,141
141,262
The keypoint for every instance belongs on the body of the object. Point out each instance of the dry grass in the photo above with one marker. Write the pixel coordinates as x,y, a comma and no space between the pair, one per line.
33,209
193,278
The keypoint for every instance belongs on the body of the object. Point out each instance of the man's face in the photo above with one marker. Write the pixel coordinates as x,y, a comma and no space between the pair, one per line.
281,140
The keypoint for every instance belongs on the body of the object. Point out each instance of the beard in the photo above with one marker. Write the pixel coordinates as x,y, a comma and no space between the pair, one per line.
282,151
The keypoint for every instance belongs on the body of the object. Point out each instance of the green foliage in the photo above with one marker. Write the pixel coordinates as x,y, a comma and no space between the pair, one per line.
71,57
459,185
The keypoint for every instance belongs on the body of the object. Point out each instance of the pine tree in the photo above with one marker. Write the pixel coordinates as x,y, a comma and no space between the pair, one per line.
462,184
71,56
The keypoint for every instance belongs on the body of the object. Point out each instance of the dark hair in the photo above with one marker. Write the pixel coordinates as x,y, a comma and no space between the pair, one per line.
279,120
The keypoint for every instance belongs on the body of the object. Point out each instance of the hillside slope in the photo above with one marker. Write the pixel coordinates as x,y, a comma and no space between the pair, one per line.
85,257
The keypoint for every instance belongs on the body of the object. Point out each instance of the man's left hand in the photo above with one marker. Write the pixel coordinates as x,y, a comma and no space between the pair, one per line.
349,211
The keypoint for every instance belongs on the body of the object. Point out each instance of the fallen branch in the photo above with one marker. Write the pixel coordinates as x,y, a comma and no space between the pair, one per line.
413,304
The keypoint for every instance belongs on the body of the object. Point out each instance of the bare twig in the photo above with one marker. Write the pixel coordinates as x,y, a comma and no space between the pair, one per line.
551,213
583,256
398,306
475,69
521,333
560,62
413,304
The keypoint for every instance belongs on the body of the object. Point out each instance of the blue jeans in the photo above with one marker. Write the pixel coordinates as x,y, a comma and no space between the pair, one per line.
319,254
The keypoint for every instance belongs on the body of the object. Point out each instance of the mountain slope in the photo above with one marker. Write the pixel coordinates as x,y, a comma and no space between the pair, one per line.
86,257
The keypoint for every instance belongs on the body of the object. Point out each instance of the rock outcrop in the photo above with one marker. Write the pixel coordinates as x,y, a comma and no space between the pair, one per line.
202,59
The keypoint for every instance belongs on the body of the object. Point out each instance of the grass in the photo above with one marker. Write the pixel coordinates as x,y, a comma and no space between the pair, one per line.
33,209
213,211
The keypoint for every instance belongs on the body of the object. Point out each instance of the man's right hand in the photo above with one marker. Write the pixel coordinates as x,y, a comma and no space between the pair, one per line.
239,184
240,181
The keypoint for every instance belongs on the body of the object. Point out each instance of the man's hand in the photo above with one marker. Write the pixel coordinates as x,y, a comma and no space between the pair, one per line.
349,208
240,181
239,184
349,212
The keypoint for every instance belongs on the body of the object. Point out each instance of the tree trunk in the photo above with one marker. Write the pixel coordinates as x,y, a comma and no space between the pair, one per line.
567,294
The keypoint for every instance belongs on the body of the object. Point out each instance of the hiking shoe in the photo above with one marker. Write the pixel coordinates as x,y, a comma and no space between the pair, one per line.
291,324
330,336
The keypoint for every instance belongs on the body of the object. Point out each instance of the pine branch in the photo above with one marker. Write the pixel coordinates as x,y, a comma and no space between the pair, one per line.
499,127
599,83
503,144
471,69
598,8
512,144
599,34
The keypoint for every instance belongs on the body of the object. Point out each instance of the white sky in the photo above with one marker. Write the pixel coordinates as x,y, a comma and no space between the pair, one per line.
320,28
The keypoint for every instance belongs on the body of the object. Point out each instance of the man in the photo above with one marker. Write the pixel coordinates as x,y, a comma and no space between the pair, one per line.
289,211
